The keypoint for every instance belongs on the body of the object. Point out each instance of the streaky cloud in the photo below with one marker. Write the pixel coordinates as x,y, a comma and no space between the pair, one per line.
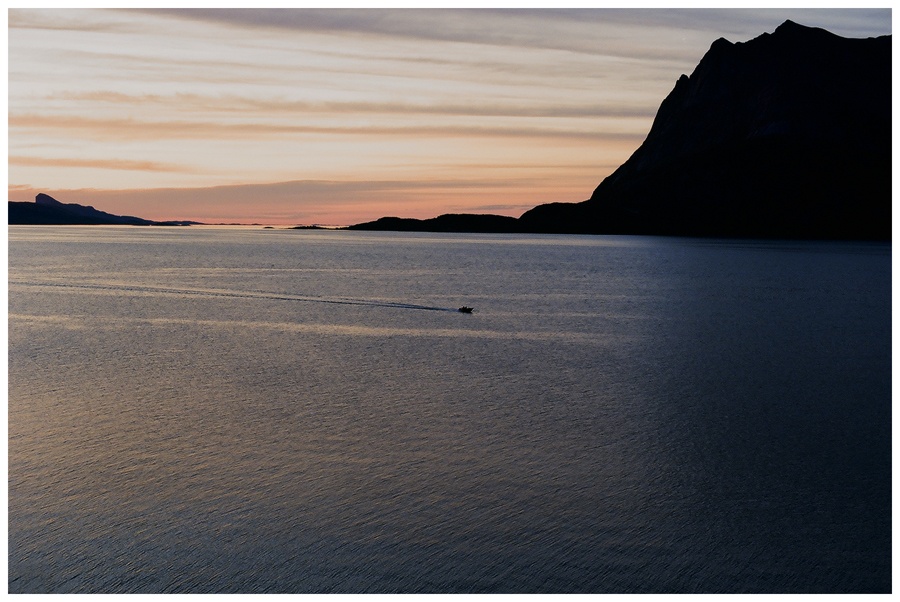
434,63
536,28
115,164
738,22
67,20
130,129
242,104
298,187
510,28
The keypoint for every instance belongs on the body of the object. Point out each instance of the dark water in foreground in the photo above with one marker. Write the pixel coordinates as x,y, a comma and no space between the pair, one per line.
221,410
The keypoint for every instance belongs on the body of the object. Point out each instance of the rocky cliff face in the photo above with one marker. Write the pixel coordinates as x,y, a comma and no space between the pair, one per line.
787,135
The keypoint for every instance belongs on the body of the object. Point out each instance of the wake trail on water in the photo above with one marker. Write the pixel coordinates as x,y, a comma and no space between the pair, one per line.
267,295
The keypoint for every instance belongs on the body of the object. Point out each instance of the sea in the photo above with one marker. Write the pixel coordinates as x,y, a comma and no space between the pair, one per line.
264,410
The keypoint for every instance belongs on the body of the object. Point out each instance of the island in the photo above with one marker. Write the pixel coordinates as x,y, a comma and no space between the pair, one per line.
45,210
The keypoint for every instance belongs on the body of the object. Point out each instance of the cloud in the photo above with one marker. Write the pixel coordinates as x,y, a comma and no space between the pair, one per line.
742,23
471,26
116,164
552,29
562,30
321,63
244,104
131,129
67,20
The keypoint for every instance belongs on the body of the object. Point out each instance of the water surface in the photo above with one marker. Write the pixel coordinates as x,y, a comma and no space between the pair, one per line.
248,410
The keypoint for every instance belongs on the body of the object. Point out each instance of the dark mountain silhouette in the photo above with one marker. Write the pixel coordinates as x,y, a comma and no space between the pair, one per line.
45,210
787,135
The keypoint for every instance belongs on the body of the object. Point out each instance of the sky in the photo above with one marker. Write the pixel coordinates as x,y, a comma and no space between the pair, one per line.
340,116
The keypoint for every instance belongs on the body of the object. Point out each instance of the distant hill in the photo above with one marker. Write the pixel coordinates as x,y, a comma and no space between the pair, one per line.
787,135
450,222
45,210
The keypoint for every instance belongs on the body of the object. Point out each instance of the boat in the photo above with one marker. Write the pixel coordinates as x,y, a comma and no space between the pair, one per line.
465,310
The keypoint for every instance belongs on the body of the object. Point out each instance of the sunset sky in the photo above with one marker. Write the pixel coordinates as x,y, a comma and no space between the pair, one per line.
345,115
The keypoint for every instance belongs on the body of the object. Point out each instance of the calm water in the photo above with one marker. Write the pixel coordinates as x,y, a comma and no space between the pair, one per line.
249,410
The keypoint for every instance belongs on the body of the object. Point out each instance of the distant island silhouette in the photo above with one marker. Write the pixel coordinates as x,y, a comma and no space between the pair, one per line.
787,135
45,210
451,222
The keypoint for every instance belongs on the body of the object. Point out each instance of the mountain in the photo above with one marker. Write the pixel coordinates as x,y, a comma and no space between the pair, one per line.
45,210
785,136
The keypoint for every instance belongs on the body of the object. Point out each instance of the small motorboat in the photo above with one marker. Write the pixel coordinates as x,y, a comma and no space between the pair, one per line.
465,310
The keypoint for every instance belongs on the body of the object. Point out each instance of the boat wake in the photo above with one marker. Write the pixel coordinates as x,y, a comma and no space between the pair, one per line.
203,292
